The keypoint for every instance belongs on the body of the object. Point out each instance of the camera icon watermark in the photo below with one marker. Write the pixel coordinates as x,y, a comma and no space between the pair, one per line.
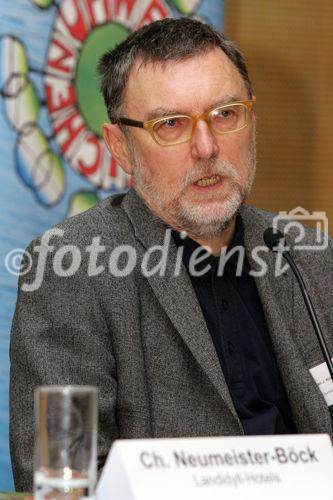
295,220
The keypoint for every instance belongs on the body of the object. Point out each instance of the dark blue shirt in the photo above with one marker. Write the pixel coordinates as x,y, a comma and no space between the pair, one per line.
235,319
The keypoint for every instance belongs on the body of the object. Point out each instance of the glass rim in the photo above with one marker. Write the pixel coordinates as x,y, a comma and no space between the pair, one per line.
66,389
150,125
248,104
161,142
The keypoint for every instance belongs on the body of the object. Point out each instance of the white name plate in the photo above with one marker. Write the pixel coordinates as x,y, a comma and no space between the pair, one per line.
252,467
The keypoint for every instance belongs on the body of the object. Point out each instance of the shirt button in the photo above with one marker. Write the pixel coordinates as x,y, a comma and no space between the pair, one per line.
231,347
224,305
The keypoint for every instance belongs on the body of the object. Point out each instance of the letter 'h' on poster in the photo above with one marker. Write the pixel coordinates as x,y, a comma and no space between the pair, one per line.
252,467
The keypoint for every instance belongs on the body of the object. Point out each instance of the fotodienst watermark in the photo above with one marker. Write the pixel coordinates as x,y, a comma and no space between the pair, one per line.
65,260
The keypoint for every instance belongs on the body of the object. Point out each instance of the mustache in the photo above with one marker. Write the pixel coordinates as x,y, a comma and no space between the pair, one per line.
210,167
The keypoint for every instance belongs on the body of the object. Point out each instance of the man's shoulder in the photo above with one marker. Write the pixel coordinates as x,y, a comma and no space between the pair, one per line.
256,215
106,220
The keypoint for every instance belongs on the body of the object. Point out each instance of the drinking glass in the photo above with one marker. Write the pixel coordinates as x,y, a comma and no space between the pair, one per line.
65,442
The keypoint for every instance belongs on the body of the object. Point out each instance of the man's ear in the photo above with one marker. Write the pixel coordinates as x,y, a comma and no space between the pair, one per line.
116,143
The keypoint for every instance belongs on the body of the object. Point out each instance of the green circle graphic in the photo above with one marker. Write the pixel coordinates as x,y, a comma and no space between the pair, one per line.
90,101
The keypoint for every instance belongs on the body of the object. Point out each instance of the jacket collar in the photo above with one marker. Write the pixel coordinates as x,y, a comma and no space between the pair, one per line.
176,295
284,308
179,301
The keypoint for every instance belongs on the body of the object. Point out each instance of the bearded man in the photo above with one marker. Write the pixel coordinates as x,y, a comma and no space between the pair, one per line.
173,310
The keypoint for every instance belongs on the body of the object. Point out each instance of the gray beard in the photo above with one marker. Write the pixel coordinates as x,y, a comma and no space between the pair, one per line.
184,216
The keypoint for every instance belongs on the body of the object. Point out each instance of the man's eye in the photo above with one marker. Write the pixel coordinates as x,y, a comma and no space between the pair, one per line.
225,113
170,123
173,128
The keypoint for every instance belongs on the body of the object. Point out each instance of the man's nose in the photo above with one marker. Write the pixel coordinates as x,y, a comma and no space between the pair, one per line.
203,143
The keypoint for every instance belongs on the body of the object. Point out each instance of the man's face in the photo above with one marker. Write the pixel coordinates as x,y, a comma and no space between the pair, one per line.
199,185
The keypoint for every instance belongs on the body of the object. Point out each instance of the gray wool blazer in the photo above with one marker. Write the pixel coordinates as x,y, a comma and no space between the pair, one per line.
143,339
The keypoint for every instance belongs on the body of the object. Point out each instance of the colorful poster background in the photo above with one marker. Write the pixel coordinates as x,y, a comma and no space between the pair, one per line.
53,162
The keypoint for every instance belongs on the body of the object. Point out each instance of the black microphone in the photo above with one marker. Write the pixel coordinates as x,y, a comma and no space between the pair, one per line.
273,238
275,241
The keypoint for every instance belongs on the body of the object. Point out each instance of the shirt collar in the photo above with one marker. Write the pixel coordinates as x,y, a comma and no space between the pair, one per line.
190,246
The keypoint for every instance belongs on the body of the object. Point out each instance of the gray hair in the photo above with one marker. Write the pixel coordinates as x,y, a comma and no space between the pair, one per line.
159,42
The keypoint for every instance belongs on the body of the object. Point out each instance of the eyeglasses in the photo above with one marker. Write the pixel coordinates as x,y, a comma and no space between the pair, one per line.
175,129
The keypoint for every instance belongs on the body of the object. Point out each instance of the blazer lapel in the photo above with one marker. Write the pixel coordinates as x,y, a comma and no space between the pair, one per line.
175,292
277,295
